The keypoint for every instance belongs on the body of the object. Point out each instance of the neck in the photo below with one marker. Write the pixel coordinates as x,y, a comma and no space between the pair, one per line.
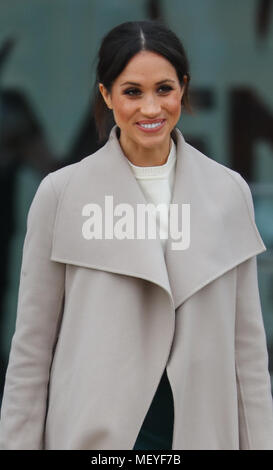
145,156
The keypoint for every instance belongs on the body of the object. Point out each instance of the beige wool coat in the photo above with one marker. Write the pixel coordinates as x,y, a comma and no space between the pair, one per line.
98,320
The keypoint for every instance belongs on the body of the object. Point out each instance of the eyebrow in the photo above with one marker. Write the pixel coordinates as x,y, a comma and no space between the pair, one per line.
138,84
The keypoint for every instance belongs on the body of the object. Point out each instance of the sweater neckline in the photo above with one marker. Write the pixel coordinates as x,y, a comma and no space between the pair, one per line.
157,171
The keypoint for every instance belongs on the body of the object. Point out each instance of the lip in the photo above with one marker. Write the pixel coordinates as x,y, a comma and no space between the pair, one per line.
163,121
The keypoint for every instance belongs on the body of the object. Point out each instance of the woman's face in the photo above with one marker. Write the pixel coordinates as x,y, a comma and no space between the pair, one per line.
147,90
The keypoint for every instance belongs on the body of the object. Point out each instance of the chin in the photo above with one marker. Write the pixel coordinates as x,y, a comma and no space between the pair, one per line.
149,144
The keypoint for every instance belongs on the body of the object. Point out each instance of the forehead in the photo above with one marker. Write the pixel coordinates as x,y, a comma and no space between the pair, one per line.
147,66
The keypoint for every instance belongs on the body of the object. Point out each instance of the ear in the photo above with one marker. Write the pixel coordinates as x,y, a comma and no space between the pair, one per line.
106,95
185,79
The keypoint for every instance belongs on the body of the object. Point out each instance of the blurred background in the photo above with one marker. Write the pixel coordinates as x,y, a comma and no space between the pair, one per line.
47,70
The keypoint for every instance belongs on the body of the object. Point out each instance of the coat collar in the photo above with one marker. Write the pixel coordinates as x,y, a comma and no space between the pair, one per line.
222,231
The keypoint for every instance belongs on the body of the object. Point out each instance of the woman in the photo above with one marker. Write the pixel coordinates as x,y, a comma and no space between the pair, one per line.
132,342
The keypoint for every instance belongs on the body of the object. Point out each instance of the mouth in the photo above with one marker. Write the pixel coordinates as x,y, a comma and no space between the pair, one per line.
151,126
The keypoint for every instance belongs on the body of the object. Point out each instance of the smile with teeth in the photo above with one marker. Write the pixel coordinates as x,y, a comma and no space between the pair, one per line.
151,126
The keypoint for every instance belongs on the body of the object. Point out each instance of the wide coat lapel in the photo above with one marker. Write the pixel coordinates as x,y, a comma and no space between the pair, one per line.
222,232
106,173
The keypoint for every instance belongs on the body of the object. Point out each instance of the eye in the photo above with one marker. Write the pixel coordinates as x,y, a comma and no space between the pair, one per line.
131,90
165,88
136,91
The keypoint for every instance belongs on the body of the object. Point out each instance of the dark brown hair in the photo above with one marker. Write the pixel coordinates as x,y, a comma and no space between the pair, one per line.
119,46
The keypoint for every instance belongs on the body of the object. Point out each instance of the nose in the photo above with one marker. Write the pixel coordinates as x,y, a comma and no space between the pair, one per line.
150,106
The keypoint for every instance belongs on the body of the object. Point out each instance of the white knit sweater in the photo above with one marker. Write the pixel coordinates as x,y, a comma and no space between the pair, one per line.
157,183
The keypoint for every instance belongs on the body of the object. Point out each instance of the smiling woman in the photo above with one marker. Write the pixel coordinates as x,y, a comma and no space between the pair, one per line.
147,114
145,87
124,342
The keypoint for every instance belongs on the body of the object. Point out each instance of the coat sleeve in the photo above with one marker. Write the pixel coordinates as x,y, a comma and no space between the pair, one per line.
251,356
39,308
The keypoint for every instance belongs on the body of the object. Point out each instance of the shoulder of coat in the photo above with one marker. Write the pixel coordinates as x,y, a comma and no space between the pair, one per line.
215,168
59,178
221,176
207,161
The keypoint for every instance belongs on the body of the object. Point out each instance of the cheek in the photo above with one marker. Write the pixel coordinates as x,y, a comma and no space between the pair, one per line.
174,104
124,108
